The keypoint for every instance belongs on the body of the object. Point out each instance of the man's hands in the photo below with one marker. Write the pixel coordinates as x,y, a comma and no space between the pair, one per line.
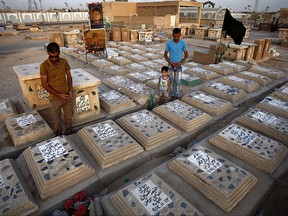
66,96
175,65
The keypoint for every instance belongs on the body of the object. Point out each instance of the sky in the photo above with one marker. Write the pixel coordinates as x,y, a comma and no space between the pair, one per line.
235,5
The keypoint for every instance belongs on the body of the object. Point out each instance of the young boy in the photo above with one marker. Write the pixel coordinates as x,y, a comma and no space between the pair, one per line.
164,85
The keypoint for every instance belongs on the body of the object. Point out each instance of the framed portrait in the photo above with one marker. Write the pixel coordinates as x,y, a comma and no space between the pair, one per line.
95,11
95,40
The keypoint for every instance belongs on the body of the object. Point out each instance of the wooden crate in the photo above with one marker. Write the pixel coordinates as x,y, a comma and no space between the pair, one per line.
86,103
133,35
283,33
250,51
201,32
125,34
266,48
33,92
235,52
214,33
58,38
70,39
259,49
116,34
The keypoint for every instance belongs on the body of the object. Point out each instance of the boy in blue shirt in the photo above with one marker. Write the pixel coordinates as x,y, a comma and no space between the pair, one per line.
177,50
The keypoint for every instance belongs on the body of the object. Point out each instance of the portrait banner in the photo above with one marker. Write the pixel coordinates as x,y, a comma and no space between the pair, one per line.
95,11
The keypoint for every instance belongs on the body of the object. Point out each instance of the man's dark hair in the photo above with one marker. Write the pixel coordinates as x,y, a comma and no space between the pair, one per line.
53,47
164,68
176,30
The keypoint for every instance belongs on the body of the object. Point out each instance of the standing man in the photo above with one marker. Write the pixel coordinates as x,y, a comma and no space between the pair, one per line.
57,80
178,54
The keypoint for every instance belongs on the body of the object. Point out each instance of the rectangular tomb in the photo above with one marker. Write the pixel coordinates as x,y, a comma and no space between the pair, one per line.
15,196
208,103
56,165
225,92
108,143
117,82
27,128
33,92
150,195
271,73
260,151
113,101
138,92
116,70
236,67
220,180
138,77
86,105
266,123
190,80
260,79
275,106
247,85
6,109
183,115
148,129
202,73
224,70
281,93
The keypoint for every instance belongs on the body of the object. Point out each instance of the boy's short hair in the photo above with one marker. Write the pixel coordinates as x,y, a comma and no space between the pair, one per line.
164,68
53,47
176,30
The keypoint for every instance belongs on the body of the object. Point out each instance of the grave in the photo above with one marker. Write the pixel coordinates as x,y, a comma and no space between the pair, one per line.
271,73
152,64
224,91
281,93
56,165
150,195
15,196
236,67
190,80
275,106
33,92
108,143
202,73
137,58
120,60
235,52
116,70
152,74
138,92
123,53
266,123
192,64
101,63
183,115
138,77
7,109
251,147
153,83
86,105
70,39
213,105
260,79
136,67
113,102
220,180
219,69
117,82
247,85
148,129
27,128
150,55
138,52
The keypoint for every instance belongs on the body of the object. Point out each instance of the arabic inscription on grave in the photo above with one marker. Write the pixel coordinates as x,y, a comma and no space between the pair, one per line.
104,131
82,103
25,120
151,197
52,150
205,162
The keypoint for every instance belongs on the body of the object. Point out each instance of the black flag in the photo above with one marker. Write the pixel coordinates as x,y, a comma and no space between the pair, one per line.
233,28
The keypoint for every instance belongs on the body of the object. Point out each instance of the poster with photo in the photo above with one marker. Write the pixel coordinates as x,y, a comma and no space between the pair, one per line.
95,11
95,40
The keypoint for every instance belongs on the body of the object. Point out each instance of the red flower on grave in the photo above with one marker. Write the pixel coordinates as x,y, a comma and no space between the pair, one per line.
69,204
79,197
81,211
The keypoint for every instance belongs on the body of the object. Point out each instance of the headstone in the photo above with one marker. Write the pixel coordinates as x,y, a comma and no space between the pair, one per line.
274,105
260,79
6,109
247,85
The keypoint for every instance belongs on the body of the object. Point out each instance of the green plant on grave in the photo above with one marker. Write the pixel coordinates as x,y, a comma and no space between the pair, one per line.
221,49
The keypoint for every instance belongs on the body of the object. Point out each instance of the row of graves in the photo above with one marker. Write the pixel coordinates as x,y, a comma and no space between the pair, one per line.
226,171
